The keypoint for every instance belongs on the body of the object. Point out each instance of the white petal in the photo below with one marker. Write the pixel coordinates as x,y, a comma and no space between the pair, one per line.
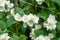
12,12
17,17
25,19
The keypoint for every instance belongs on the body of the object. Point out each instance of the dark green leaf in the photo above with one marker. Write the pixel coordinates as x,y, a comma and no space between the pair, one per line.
57,1
58,25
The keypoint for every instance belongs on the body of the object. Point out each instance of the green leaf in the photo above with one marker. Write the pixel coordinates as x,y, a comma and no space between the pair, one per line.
10,21
23,29
51,6
22,3
55,38
23,37
57,1
58,25
1,15
53,32
59,38
39,32
3,25
44,14
57,15
19,10
15,37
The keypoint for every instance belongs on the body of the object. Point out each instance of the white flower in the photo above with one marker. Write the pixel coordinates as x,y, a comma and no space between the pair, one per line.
29,20
40,1
51,19
30,16
4,36
51,23
17,17
25,19
50,26
37,26
51,35
35,19
12,12
47,38
32,34
41,37
9,6
30,23
25,25
4,3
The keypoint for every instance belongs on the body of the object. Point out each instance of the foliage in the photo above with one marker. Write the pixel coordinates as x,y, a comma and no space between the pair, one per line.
16,30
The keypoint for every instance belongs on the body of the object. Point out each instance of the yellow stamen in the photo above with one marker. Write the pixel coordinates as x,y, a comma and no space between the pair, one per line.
49,24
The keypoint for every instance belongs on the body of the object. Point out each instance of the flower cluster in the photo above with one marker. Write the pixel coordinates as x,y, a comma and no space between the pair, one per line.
42,37
51,23
5,5
4,36
26,19
30,19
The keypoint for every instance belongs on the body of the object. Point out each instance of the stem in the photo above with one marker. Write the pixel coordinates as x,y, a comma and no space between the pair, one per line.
16,3
16,29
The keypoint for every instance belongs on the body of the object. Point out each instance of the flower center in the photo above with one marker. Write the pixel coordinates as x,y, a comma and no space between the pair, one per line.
50,24
31,21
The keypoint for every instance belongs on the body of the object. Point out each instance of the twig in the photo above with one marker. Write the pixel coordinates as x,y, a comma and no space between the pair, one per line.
36,5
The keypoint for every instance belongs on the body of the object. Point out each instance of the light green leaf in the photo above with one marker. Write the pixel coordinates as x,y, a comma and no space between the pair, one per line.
23,37
19,10
59,38
15,37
